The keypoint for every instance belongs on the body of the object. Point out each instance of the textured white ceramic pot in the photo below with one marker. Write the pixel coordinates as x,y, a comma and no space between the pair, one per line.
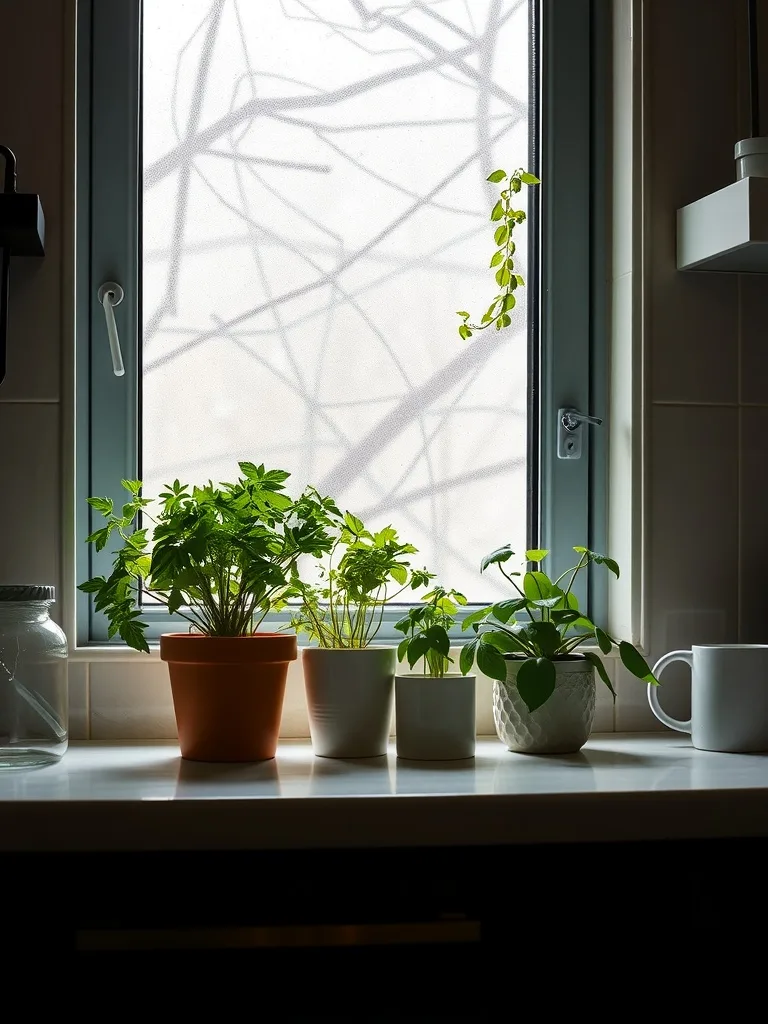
435,718
349,699
561,725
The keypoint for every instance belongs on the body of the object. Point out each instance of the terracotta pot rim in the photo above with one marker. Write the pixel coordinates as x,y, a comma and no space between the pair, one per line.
199,649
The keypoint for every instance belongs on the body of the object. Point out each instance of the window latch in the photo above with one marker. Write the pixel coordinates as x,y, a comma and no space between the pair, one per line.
110,295
569,431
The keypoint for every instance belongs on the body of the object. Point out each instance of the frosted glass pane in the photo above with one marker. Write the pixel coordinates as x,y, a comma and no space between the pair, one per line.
315,211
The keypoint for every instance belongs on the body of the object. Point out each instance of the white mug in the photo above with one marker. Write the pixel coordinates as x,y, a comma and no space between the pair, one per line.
729,696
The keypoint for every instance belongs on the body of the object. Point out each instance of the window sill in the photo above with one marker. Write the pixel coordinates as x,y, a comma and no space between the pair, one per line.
619,787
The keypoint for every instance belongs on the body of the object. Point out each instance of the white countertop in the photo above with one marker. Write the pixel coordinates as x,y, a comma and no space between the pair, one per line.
143,796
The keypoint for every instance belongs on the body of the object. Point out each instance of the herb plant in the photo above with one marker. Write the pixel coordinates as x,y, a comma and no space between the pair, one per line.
541,625
503,258
346,609
221,557
426,627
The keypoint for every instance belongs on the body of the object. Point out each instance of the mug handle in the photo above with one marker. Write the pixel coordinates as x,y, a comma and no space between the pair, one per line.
653,699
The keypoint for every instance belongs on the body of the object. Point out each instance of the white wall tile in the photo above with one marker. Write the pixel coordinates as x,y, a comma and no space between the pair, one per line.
753,625
633,713
131,701
79,724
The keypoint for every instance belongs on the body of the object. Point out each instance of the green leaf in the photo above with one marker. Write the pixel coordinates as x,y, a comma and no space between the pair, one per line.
546,637
417,648
565,617
132,632
603,641
99,538
460,312
508,302
537,585
92,586
399,573
502,277
476,616
536,554
504,321
611,564
467,656
498,211
501,234
497,176
546,602
438,639
504,610
402,647
497,258
635,663
496,557
536,682
134,486
503,642
491,663
529,179
353,524
595,660
103,505
465,332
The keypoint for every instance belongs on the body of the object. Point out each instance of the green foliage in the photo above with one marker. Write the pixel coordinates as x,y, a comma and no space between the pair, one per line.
426,629
507,218
540,625
226,554
347,607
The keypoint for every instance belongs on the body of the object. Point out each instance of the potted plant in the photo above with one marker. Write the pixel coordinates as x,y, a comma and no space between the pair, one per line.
220,557
434,709
350,681
506,217
544,689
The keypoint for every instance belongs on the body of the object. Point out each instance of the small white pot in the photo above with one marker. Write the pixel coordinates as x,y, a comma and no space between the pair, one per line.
349,699
561,725
435,718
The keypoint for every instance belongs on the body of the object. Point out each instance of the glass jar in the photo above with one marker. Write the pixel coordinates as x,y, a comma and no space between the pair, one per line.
33,679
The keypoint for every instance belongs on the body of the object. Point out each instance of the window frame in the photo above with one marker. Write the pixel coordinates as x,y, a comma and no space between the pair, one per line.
567,321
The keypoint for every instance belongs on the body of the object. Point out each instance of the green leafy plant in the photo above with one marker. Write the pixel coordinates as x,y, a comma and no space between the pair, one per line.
541,625
426,627
346,608
507,218
221,557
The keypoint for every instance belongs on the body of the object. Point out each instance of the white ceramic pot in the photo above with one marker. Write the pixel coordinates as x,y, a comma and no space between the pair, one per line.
349,699
435,718
561,725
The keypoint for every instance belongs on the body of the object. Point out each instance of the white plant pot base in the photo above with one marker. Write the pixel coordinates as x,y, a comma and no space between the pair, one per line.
435,718
561,725
349,699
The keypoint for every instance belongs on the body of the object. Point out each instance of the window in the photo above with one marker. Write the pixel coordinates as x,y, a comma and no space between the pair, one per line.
293,197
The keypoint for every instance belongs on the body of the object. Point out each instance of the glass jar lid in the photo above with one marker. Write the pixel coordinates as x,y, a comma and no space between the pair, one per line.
27,592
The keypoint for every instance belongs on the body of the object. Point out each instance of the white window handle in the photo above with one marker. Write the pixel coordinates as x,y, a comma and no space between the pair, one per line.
110,295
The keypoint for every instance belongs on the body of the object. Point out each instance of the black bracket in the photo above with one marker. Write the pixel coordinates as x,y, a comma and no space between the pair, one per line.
22,233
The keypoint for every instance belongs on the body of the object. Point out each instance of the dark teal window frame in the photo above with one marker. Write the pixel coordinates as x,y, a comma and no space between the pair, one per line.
567,300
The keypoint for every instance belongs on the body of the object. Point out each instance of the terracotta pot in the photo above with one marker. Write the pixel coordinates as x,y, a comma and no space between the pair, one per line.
228,693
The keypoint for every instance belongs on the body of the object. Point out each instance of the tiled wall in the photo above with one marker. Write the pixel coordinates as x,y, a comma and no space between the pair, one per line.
707,381
707,368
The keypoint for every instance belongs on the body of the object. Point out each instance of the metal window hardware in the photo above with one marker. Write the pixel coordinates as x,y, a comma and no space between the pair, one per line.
569,433
110,295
